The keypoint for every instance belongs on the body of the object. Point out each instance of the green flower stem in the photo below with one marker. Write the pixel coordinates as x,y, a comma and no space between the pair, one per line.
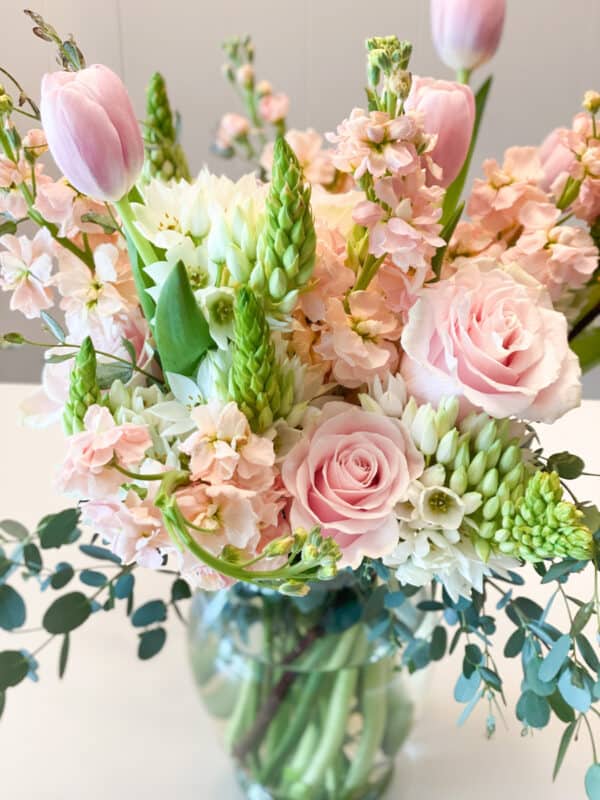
243,712
368,272
374,682
142,245
463,76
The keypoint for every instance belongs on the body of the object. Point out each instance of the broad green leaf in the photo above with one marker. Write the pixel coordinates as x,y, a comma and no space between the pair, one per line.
180,590
91,577
563,747
592,782
149,613
142,281
103,553
59,529
32,557
109,372
533,681
59,358
563,710
566,464
62,575
515,643
454,191
7,226
54,327
151,642
446,234
491,678
181,332
533,710
577,697
14,667
14,528
552,663
588,653
394,599
2,703
439,641
466,688
582,618
586,347
67,613
562,568
124,586
64,655
12,608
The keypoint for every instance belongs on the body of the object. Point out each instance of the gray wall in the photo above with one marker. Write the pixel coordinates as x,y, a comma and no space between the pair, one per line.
313,49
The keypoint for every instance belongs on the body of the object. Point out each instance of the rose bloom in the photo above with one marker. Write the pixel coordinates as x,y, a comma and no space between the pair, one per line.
490,336
347,475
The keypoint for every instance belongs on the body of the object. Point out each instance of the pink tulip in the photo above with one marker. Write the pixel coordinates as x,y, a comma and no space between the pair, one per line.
92,131
449,113
466,33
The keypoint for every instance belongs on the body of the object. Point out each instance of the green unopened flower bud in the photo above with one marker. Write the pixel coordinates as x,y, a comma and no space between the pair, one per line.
493,454
489,484
491,508
279,547
294,589
446,414
510,458
476,469
483,549
459,481
463,455
6,103
486,436
447,448
591,102
233,555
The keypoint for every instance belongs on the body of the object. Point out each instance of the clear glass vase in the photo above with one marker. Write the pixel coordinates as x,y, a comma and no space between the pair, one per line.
309,695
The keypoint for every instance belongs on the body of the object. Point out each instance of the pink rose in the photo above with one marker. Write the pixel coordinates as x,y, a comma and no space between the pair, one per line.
494,340
449,113
347,475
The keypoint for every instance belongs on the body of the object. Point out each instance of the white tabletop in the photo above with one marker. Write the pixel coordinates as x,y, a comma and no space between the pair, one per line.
115,728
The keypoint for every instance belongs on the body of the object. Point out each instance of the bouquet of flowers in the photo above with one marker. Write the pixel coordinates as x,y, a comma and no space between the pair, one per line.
314,388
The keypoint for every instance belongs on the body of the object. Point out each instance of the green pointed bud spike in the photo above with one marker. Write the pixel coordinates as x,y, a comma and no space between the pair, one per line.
476,469
459,481
83,388
255,378
164,157
287,242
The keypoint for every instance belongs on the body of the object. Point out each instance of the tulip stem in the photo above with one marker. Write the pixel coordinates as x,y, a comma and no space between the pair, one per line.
463,76
142,245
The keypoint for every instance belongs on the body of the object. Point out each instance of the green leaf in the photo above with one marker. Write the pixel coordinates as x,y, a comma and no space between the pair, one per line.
32,558
533,680
466,688
14,528
149,613
446,234
62,575
151,642
592,782
394,600
124,586
533,710
582,618
59,529
67,613
563,747
64,655
515,643
566,464
588,653
108,373
59,358
91,577
53,326
103,553
563,710
528,608
562,568
12,608
105,221
586,347
141,279
180,590
491,678
7,226
439,641
130,349
181,332
552,663
577,697
455,189
14,667
2,703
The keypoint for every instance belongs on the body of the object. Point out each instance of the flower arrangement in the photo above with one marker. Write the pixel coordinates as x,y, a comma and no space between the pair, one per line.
323,369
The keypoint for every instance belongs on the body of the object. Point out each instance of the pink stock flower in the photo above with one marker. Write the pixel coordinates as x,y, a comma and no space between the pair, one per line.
200,576
359,344
559,256
54,200
34,142
92,131
25,270
225,512
224,448
330,278
471,240
84,291
274,108
316,163
231,128
86,470
497,201
346,476
448,109
555,157
466,33
401,288
494,340
371,142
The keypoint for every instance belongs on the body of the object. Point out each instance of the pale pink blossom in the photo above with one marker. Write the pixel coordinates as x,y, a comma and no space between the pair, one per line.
87,470
496,201
201,576
401,287
92,131
316,162
466,33
555,157
232,127
372,142
54,201
225,512
558,256
471,240
35,143
25,270
330,278
46,405
346,476
448,110
360,344
493,339
84,291
224,447
274,108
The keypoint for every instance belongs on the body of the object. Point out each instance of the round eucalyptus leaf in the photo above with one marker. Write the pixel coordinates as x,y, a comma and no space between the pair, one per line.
12,608
566,464
592,782
67,613
533,710
62,575
13,668
151,612
151,642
